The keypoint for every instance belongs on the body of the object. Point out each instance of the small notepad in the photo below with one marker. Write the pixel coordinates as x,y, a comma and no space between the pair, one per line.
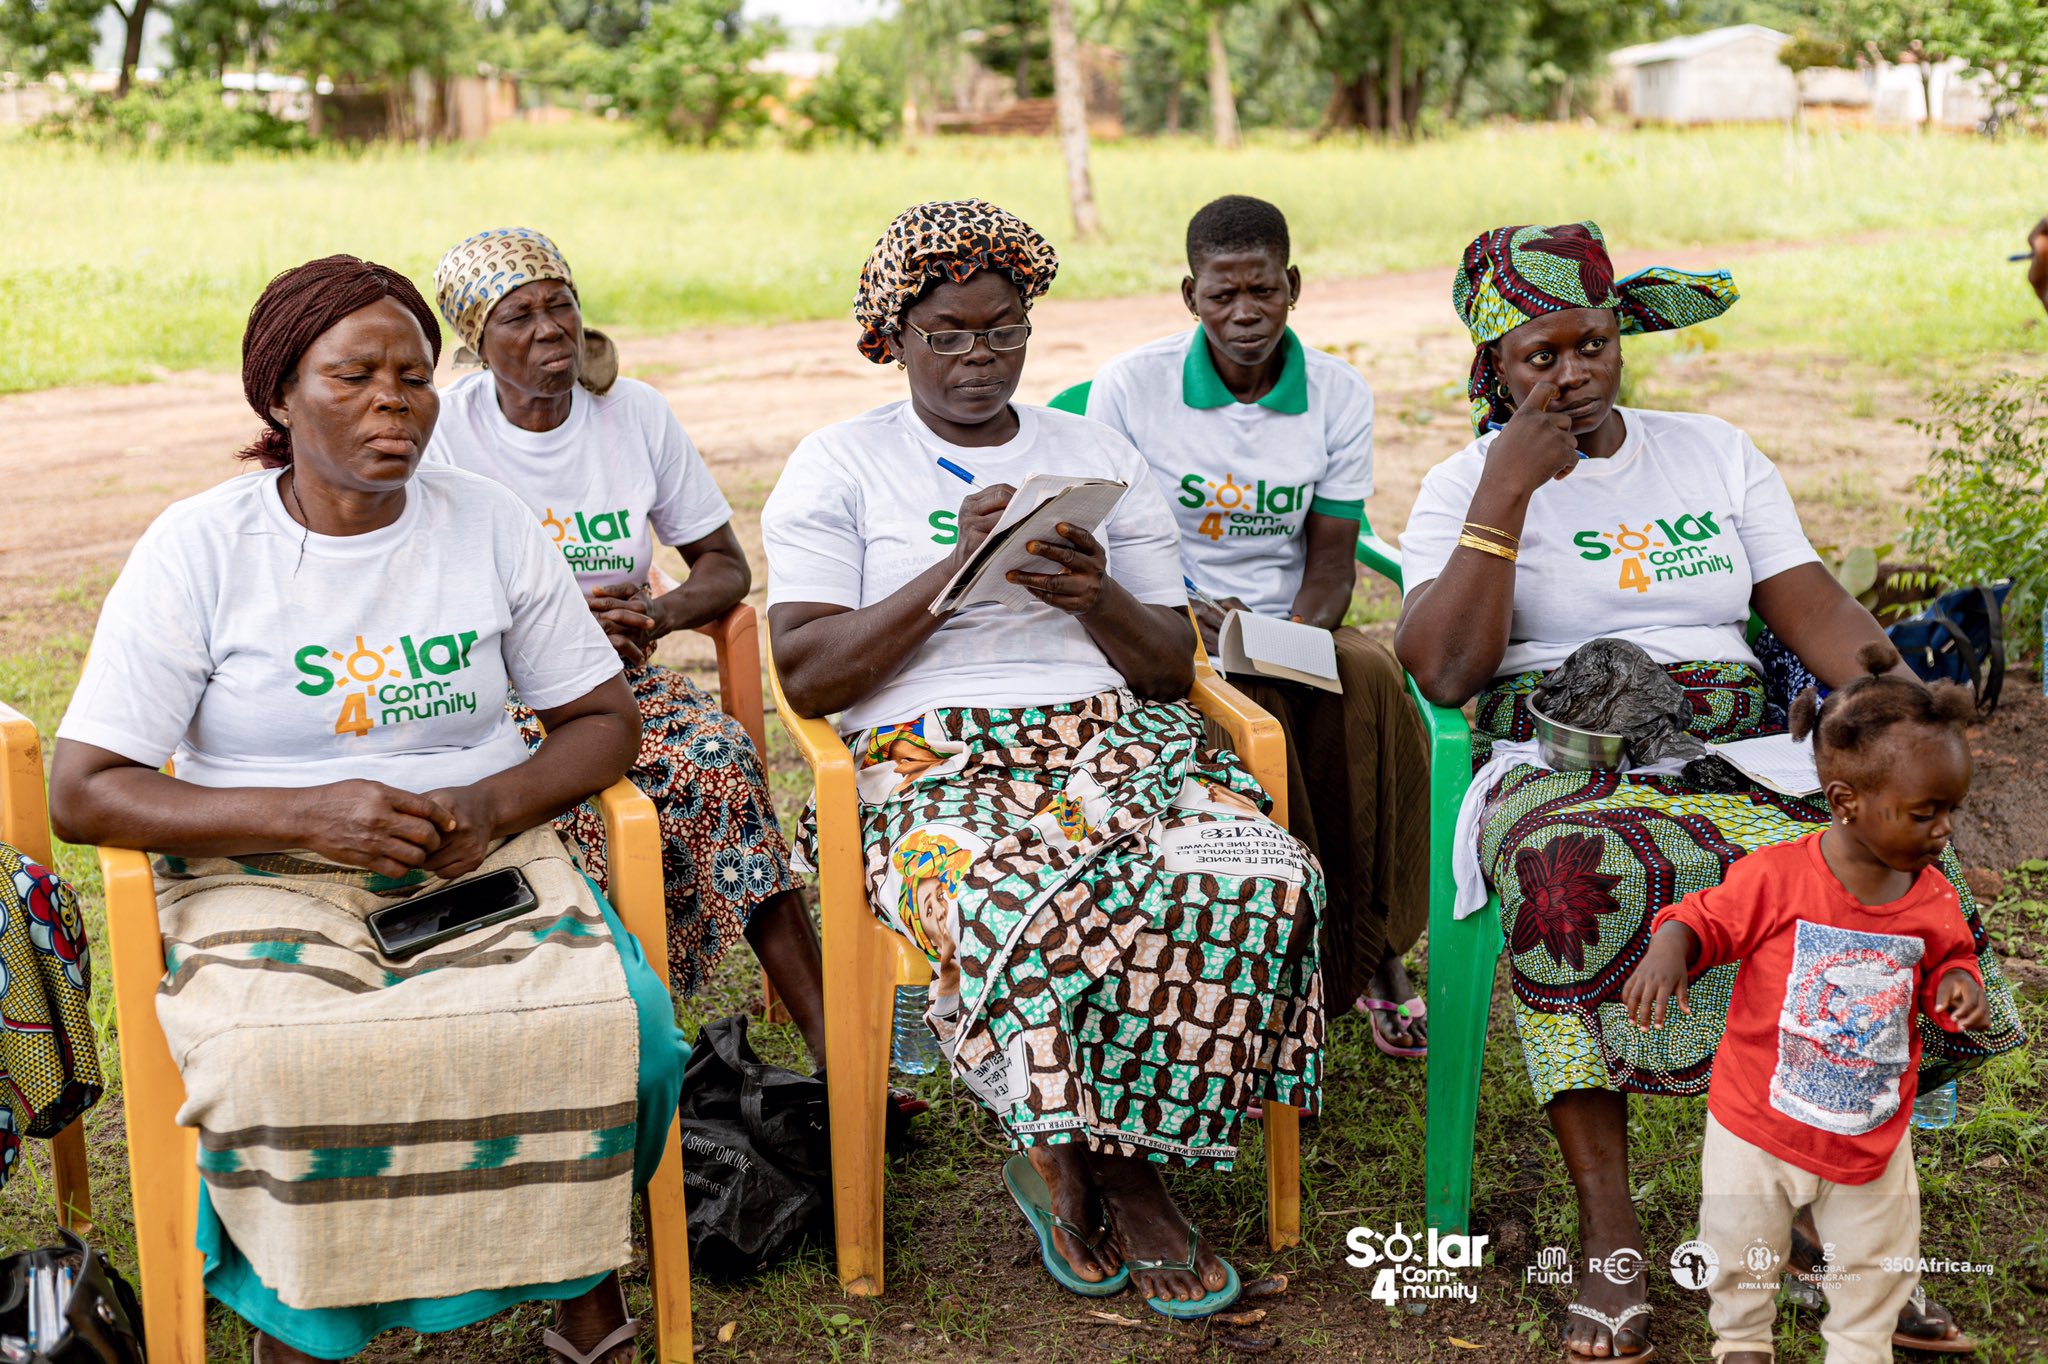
1035,509
1260,646
1777,761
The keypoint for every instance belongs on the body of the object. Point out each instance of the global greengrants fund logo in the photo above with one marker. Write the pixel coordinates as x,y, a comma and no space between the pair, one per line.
389,685
1406,1272
591,541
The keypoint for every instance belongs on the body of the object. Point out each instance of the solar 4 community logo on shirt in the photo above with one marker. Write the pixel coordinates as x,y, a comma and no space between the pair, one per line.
1683,551
388,686
1241,509
588,540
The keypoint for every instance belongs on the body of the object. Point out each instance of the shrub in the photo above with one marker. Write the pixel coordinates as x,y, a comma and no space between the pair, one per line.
186,113
1982,516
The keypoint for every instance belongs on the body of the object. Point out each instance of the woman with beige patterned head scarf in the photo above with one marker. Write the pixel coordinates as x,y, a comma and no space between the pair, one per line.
611,476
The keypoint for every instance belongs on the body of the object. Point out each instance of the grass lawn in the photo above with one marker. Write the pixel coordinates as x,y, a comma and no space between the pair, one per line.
963,1277
117,270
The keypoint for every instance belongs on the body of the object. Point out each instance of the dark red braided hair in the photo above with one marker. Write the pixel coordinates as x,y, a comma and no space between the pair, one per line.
1848,730
293,311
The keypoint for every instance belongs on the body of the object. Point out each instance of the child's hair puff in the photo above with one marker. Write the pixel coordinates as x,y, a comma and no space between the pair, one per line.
1846,730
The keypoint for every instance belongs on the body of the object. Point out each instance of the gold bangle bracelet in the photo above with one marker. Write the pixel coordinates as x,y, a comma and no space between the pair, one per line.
1487,547
1495,530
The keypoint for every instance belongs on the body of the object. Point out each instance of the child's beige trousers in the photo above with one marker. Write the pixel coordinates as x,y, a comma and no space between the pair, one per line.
1746,1215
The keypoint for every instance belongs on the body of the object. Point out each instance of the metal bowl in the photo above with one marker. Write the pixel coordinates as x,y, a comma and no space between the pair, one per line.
1568,748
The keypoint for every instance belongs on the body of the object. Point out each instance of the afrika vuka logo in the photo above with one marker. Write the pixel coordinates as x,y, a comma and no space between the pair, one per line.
388,686
591,541
1242,509
1682,552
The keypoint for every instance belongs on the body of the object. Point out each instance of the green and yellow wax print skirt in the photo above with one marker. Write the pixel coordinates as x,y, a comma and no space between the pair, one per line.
1583,861
49,1063
1123,943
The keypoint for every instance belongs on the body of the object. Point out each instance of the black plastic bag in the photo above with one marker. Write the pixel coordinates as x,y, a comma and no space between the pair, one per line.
757,1163
101,1320
1611,686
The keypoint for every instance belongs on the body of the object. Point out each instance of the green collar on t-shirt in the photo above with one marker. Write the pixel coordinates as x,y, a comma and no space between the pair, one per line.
1202,386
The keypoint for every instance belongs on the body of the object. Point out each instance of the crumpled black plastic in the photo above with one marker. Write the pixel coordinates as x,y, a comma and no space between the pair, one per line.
1611,686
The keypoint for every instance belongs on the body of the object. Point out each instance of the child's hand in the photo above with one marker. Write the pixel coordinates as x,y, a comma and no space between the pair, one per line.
1962,999
1660,978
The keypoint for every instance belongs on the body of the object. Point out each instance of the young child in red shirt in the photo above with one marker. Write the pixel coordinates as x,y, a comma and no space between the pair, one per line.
1845,937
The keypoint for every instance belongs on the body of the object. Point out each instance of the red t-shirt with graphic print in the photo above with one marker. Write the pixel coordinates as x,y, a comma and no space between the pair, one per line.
1819,1064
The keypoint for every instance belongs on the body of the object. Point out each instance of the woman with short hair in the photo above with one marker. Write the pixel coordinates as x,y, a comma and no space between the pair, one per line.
323,646
1263,447
1035,791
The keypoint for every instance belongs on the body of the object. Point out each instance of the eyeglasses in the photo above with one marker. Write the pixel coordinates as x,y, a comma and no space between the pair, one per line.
1011,337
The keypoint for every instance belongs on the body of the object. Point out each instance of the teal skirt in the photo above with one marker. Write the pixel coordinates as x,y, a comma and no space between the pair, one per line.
339,1332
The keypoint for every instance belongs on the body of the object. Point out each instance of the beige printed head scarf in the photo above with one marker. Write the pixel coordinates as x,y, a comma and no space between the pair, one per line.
479,271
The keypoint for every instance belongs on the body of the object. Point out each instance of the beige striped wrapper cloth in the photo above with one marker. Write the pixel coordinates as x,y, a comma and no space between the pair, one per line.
373,1130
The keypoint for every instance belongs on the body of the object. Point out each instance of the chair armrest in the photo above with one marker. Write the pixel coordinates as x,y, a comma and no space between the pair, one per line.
24,808
1254,735
1377,555
738,637
632,840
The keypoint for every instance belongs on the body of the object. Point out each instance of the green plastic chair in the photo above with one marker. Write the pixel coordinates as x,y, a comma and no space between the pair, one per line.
1074,400
1464,954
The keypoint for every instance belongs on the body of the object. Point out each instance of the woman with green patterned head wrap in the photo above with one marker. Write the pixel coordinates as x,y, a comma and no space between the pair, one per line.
1572,518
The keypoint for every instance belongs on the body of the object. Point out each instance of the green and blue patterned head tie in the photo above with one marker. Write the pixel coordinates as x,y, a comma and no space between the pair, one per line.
1512,275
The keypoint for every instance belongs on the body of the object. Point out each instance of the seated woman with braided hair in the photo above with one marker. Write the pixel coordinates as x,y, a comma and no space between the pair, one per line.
1035,791
324,646
1570,517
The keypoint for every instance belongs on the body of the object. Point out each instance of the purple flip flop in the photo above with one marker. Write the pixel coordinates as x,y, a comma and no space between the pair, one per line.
1413,1009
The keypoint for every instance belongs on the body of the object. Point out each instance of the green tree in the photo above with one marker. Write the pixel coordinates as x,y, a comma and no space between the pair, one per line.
43,36
2005,43
861,98
689,74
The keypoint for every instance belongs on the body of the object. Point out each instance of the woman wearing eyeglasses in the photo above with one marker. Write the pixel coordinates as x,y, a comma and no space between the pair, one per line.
1123,943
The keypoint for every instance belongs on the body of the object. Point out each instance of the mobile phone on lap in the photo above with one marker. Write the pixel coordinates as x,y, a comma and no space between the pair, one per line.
404,930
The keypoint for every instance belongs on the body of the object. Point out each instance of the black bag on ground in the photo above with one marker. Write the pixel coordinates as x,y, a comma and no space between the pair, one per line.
756,1153
1960,638
99,1321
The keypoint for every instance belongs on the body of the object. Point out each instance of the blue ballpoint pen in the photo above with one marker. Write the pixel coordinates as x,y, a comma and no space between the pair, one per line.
956,471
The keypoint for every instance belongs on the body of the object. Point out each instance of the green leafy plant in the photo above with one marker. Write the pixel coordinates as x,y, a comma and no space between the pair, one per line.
189,114
1984,496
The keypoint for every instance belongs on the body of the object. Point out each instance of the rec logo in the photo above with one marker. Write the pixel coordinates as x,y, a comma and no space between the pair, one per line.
1553,1266
1624,1266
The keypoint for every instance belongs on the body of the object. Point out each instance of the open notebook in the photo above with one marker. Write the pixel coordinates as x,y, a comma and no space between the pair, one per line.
1042,503
1776,761
1260,646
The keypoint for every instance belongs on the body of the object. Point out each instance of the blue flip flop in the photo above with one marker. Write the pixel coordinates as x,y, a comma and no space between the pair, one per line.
1206,1305
1034,1200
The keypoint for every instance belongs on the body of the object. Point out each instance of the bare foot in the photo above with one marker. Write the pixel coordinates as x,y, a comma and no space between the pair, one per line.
1064,1168
1150,1227
586,1320
1390,982
1608,1244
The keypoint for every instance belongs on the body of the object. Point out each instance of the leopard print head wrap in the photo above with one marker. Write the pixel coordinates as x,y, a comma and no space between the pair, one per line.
950,239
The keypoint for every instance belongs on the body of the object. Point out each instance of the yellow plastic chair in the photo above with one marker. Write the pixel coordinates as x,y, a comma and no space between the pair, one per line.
865,961
25,827
163,1158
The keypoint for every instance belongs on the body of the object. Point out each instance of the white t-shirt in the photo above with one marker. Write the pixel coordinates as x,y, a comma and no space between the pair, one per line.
863,507
1660,543
618,468
260,654
1241,478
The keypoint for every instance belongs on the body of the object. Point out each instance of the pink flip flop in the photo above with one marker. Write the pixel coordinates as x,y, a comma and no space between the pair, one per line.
1413,1009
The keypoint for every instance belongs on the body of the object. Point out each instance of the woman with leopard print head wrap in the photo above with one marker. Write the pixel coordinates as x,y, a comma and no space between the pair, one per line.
1133,940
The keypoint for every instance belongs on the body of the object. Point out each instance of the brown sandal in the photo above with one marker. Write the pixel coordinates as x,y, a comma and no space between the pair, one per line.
559,1346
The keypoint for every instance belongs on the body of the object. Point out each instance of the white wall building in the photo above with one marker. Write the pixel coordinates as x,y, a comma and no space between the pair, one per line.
1726,75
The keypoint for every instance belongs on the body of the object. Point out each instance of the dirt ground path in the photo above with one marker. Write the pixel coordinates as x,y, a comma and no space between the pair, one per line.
87,468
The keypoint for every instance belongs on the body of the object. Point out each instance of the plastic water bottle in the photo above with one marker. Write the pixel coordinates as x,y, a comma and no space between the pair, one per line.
913,1050
1936,1107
